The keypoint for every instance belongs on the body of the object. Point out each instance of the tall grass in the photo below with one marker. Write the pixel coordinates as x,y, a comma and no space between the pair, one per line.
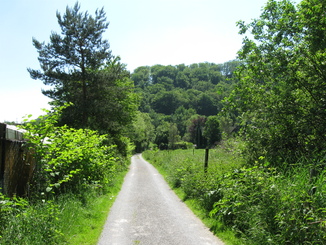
260,204
70,218
82,220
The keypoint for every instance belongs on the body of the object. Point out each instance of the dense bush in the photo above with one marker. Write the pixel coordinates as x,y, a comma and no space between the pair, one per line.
269,208
77,164
68,159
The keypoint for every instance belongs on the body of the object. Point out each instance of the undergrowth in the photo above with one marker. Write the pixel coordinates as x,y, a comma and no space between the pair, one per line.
260,204
76,176
70,218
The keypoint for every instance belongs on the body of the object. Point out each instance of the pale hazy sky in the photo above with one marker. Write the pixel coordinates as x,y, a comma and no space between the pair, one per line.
141,32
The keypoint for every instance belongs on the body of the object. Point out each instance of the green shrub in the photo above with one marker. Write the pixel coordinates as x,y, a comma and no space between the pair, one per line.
68,159
268,208
249,201
183,145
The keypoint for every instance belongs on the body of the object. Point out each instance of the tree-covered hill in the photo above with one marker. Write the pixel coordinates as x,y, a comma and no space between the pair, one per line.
174,97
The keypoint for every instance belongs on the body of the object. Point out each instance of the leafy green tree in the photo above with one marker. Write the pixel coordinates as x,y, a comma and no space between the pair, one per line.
180,117
203,86
158,71
206,105
215,74
199,72
196,130
162,135
141,76
174,136
166,82
173,94
181,81
167,102
112,102
212,131
229,68
141,131
280,98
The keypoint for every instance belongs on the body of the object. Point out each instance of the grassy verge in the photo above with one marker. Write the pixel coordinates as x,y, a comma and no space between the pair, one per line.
177,167
69,219
245,204
82,221
222,232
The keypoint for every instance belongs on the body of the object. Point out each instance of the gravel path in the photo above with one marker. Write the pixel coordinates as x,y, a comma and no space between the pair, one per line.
147,212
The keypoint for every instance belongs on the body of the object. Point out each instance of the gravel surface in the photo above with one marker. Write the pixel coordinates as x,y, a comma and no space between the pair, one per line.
147,212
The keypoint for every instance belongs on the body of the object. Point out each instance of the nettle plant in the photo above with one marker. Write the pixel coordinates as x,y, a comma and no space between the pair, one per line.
67,159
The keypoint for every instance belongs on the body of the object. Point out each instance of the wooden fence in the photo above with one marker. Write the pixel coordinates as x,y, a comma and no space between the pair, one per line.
16,162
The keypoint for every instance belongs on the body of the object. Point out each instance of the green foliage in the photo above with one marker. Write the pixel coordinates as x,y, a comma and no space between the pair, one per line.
141,131
73,167
266,207
67,59
248,203
89,213
196,130
67,158
112,102
212,130
160,83
69,219
162,135
279,99
260,204
181,117
141,76
80,69
185,168
167,102
174,136
173,94
183,145
25,224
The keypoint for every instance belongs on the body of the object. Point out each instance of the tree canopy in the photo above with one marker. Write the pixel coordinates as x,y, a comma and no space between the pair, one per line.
280,99
78,66
174,95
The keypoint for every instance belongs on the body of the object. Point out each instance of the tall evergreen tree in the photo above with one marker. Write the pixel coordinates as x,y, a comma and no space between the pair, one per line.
69,60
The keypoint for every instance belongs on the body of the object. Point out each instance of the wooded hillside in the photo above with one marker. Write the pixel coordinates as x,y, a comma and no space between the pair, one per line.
177,97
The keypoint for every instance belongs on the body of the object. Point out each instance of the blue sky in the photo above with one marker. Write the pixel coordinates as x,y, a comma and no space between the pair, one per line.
142,32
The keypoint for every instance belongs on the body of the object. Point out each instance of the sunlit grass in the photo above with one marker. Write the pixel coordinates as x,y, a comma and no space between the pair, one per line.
82,221
246,204
220,161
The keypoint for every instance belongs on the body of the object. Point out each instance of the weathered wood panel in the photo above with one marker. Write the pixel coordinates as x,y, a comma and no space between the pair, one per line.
16,163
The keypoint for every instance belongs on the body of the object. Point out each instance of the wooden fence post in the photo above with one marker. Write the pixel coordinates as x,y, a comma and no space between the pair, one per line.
2,154
206,160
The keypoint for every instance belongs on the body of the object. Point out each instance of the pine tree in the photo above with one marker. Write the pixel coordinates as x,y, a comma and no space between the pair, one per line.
69,60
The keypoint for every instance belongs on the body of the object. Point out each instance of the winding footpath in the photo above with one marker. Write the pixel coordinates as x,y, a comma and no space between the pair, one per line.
147,212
